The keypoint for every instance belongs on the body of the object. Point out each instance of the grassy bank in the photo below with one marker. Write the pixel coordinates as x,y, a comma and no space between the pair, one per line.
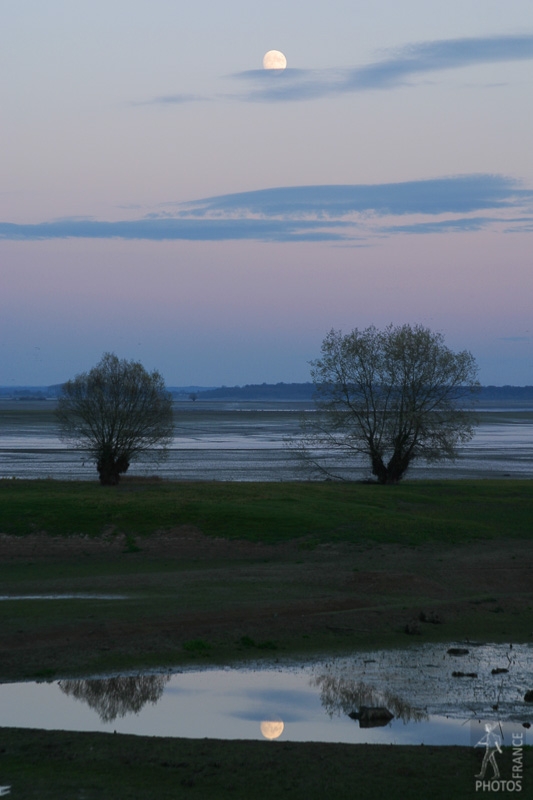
60,766
414,513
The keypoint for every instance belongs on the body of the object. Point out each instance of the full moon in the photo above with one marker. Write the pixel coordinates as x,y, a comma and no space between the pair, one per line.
271,729
274,59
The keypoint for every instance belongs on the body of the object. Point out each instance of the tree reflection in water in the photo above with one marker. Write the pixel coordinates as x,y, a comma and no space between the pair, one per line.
118,696
340,695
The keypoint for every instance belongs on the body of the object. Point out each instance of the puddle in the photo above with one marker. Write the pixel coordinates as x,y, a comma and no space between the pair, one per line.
63,597
324,701
484,680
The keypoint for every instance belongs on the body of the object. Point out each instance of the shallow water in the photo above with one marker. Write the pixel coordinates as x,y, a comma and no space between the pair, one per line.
304,703
228,442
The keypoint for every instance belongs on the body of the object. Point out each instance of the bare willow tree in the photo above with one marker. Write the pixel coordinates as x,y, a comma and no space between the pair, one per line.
115,412
394,396
118,696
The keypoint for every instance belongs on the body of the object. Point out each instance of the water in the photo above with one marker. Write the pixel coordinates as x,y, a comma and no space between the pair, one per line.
233,442
306,703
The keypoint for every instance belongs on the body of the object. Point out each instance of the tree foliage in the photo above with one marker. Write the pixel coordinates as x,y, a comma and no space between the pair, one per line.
115,412
394,395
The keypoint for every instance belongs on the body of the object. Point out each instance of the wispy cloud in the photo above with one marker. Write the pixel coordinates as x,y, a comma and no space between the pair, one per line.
458,194
443,226
207,230
172,99
400,68
342,214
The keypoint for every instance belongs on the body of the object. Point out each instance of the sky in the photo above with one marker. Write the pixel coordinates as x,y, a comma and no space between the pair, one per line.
164,197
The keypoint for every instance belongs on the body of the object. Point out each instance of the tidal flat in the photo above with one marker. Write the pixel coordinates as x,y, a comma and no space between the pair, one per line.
248,442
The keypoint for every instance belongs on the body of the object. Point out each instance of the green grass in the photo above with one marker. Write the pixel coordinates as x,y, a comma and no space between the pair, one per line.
412,513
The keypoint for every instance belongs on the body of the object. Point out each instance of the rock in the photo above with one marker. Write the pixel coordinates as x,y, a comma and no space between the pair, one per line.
464,674
528,697
373,716
457,651
413,628
498,671
526,724
431,617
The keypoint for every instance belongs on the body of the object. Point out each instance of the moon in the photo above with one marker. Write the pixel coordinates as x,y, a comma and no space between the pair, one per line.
274,59
272,729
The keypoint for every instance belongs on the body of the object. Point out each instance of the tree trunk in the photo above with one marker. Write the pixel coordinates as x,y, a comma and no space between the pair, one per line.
379,469
110,468
109,475
397,467
391,473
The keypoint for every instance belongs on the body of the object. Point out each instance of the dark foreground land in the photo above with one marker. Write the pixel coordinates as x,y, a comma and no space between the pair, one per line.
44,765
218,573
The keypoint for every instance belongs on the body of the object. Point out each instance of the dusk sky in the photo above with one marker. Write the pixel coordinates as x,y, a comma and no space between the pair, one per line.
166,198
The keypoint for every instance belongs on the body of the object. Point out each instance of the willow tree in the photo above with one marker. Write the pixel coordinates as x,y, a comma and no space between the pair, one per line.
394,396
115,413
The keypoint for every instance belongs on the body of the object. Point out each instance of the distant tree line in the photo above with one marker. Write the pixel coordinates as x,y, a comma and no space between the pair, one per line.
264,391
306,391
524,393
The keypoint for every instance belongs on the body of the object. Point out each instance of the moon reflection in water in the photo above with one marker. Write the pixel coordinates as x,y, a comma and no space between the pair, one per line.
272,729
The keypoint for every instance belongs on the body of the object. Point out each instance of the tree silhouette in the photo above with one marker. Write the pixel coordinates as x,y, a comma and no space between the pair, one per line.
394,396
115,412
118,696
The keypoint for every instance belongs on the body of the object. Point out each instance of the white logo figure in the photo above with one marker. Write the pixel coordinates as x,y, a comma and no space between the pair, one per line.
491,741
